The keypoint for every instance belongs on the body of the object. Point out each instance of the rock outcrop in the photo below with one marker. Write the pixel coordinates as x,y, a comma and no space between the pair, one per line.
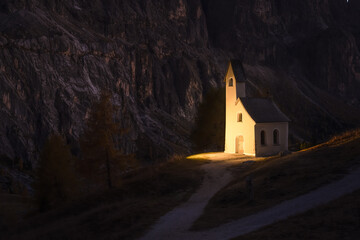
160,57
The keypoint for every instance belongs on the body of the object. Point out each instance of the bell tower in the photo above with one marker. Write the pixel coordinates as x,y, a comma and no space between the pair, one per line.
235,88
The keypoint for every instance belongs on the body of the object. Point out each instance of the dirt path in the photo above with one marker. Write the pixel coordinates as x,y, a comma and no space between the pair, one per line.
176,223
179,220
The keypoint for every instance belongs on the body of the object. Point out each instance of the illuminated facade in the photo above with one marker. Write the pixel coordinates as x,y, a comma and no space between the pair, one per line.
254,126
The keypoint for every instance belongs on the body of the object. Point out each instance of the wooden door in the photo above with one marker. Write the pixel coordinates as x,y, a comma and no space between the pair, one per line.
239,145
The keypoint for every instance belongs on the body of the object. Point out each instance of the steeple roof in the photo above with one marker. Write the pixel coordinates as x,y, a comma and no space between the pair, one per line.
238,70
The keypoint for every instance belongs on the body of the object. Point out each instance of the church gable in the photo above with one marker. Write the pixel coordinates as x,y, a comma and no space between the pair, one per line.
240,109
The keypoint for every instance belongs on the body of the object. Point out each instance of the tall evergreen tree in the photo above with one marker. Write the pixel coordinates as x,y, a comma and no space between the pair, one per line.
97,142
56,178
209,128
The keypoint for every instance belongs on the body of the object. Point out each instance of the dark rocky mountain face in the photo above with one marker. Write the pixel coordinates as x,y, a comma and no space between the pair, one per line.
160,57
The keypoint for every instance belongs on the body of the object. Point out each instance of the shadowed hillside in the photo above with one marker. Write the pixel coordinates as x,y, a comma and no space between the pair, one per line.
280,178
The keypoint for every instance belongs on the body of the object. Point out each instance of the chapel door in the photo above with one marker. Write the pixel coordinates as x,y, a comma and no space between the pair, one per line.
239,145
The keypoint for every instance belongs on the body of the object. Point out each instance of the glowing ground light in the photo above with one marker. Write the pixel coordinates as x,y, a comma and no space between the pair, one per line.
218,156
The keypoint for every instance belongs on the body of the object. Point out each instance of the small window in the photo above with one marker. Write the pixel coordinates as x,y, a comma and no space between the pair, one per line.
239,117
276,137
231,82
262,136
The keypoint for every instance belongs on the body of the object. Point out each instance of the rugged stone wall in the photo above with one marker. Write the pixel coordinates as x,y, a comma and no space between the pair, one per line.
56,56
160,57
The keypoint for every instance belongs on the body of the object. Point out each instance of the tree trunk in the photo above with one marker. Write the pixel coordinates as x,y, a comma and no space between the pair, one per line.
108,169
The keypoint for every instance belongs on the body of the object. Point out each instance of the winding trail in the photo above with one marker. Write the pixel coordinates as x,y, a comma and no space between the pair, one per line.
175,224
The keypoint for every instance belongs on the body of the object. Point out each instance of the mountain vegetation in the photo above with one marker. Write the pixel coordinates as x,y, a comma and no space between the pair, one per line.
101,158
209,128
56,179
123,212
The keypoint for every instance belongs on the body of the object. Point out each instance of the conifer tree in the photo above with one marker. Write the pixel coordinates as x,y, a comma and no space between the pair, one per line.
97,142
56,178
209,127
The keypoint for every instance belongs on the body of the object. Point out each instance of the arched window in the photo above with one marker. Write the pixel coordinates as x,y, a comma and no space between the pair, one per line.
276,137
231,82
262,135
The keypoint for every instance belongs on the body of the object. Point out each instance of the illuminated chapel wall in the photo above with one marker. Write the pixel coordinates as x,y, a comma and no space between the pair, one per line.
233,128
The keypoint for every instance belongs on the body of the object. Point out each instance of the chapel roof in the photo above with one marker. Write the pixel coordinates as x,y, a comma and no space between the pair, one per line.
238,70
263,110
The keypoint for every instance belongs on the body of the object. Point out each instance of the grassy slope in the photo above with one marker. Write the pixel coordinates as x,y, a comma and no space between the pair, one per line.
12,208
339,219
121,213
280,178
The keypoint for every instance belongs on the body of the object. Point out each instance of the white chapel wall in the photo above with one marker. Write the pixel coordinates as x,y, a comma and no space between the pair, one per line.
270,148
233,128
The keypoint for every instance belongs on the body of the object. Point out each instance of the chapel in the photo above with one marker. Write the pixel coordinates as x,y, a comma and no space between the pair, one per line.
253,126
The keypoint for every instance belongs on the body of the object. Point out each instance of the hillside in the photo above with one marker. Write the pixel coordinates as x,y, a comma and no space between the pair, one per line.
338,219
181,185
159,58
124,212
280,178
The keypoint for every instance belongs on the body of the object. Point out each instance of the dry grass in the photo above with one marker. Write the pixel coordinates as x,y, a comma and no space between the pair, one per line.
12,208
121,213
339,219
280,178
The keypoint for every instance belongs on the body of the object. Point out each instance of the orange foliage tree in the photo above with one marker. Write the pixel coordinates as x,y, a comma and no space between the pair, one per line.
100,156
56,179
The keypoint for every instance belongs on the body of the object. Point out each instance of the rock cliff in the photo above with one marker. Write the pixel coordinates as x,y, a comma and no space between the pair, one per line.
160,57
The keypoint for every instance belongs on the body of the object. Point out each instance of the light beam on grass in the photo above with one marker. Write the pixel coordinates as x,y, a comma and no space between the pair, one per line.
220,156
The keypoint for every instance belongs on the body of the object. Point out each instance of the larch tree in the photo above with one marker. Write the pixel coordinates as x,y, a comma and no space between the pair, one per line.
56,177
100,156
